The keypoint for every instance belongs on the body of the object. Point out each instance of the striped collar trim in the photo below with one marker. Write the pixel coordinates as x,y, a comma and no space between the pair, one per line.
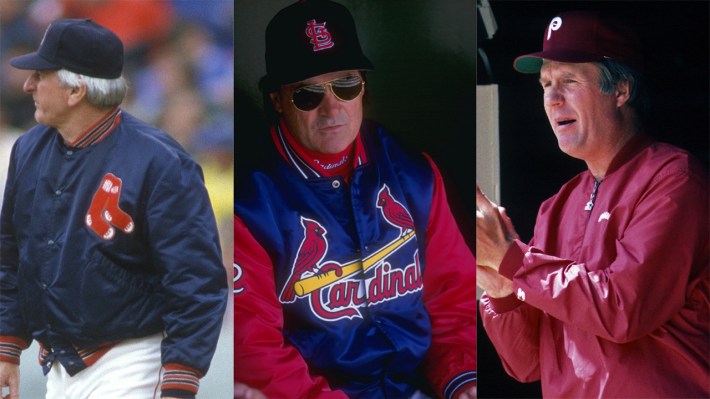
294,159
99,131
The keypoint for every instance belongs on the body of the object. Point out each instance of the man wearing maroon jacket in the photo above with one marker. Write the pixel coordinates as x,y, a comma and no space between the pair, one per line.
610,298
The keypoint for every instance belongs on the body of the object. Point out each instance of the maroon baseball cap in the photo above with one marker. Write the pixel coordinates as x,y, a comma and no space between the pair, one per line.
584,36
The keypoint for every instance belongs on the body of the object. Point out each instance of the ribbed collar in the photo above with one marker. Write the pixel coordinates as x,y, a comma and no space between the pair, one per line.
99,131
298,157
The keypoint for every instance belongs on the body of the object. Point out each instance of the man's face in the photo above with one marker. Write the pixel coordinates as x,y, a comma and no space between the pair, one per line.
329,128
50,97
584,120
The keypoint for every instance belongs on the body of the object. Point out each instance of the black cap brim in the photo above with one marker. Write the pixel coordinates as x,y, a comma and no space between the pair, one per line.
33,61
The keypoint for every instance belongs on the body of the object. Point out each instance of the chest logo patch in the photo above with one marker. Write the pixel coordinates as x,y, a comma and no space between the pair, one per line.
604,216
339,290
104,215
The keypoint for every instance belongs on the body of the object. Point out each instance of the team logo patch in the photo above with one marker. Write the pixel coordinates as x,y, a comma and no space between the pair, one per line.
338,290
555,24
319,36
104,213
394,212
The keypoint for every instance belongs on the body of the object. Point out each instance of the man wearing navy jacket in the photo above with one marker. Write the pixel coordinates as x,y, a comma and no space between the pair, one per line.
353,279
110,257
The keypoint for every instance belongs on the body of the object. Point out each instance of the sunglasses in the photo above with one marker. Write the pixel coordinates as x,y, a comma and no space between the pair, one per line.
308,98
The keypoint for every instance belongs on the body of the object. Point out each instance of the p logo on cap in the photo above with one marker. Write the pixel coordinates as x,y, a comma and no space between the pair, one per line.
555,24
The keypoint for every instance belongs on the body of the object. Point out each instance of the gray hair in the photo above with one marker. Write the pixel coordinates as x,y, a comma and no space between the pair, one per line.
104,93
613,72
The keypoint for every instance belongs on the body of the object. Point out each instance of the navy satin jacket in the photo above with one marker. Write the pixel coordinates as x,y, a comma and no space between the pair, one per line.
113,241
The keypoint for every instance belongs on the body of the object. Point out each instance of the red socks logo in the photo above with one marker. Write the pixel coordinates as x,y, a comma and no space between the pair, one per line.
104,211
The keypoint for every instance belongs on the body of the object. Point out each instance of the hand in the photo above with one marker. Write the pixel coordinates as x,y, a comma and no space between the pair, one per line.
468,393
10,377
242,391
495,285
494,232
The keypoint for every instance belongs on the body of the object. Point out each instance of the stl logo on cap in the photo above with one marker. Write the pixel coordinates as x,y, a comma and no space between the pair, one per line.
555,24
320,37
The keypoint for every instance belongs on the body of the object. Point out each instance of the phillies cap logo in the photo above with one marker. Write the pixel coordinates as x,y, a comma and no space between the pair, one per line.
555,24
319,35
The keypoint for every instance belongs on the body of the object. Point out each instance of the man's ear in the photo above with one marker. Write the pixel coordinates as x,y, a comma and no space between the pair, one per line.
76,95
276,101
622,93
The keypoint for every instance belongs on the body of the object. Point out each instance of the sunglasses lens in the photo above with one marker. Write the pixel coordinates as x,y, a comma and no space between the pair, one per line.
347,88
307,98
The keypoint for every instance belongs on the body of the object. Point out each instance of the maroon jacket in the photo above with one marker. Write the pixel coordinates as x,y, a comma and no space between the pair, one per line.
613,302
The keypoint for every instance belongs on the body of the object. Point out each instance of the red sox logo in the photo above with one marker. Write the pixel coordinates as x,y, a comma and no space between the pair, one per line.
319,35
104,213
330,287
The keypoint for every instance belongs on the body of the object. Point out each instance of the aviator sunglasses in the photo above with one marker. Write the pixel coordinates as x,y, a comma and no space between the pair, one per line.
307,98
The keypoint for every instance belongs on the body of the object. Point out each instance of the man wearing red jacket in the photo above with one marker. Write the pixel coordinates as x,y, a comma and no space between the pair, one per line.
352,278
610,298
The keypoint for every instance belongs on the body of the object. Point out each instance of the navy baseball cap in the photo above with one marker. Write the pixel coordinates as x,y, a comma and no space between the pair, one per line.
584,36
77,45
310,38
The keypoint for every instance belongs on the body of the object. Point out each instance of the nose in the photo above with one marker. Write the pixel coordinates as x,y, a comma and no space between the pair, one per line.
552,97
330,103
30,83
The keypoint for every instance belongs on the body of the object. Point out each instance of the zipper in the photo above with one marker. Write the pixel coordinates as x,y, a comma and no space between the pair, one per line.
593,197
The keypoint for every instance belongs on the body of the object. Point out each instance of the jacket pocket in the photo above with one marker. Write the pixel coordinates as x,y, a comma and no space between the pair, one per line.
117,303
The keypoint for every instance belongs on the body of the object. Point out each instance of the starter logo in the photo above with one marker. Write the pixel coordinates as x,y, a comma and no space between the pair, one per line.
338,290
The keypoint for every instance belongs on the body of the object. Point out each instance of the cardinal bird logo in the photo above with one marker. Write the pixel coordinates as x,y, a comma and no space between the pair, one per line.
310,254
394,212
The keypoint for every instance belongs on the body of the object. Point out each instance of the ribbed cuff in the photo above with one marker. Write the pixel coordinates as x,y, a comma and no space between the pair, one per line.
504,304
513,259
457,382
11,349
179,381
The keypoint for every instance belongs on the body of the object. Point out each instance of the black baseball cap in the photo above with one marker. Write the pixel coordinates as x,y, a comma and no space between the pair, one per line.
310,38
77,45
584,36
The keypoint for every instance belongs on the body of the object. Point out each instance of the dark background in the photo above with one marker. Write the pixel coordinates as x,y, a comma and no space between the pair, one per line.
422,88
675,41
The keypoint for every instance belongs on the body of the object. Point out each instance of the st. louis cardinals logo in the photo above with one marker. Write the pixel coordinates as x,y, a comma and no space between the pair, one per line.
104,213
338,290
319,35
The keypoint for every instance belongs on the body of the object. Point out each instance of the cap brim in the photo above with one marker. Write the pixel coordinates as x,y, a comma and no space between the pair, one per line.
531,63
270,83
33,61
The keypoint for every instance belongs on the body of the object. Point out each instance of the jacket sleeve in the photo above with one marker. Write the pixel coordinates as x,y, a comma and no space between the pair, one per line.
184,244
262,358
450,299
660,254
13,336
513,328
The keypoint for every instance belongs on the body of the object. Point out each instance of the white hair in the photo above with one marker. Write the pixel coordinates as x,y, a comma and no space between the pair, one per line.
104,93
